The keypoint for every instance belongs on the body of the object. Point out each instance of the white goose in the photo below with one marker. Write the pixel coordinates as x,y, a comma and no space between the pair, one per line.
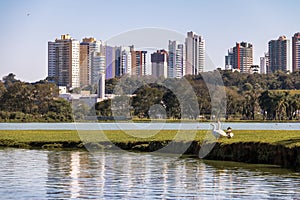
217,132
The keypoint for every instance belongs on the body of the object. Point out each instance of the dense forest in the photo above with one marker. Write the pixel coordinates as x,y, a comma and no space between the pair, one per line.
247,97
32,102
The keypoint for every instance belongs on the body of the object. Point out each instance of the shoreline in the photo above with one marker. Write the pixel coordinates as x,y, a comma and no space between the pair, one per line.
246,152
256,147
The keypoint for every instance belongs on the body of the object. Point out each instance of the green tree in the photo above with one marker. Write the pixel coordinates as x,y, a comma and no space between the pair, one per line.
44,94
251,100
171,104
110,85
234,103
18,97
280,105
2,89
62,108
121,106
144,99
9,79
103,108
267,103
80,110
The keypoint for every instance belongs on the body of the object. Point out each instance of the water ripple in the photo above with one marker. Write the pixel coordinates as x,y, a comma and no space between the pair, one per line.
38,174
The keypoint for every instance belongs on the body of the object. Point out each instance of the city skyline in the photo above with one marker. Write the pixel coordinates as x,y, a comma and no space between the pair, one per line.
25,36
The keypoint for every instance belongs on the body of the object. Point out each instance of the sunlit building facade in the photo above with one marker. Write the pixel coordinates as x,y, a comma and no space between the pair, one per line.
296,51
176,60
279,54
63,61
243,57
87,47
195,53
159,64
138,62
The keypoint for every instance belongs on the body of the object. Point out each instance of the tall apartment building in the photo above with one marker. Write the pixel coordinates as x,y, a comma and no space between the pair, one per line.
122,61
117,61
87,47
138,62
97,66
296,51
195,53
176,60
159,64
63,61
229,60
110,69
264,64
279,54
240,57
126,64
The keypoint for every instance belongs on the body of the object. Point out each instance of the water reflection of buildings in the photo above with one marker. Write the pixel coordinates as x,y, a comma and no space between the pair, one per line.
68,172
80,174
74,174
58,170
39,174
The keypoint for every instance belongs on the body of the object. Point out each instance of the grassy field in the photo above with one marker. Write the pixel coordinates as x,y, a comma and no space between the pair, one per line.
286,138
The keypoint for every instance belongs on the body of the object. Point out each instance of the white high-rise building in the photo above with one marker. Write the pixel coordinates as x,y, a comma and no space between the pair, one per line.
63,61
195,53
263,68
264,64
97,66
176,60
229,60
75,64
125,67
122,60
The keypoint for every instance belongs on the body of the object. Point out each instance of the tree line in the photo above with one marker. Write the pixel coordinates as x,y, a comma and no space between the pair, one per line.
27,102
263,96
248,97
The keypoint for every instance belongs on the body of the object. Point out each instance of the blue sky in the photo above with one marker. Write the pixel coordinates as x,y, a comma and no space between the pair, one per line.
222,23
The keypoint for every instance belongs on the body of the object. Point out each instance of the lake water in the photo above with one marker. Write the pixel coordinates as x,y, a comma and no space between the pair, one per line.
44,174
146,126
